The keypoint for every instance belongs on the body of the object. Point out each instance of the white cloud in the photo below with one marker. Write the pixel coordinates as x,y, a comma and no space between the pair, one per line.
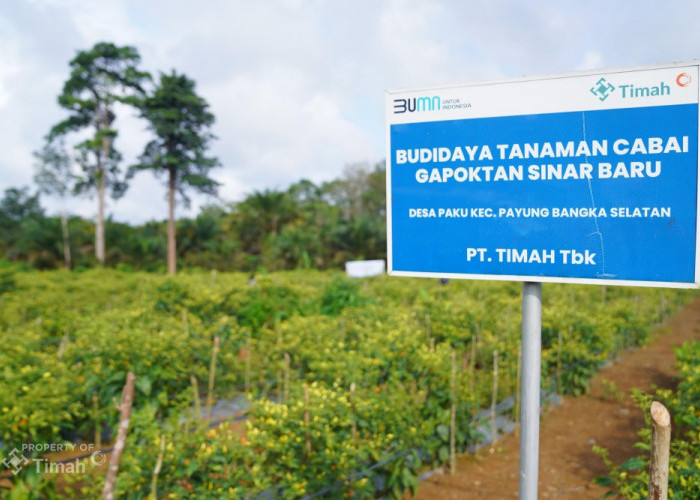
273,130
591,60
297,86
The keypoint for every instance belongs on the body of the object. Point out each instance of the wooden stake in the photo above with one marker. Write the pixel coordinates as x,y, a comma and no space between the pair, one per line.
472,366
286,378
197,401
125,411
280,383
96,418
507,323
247,363
184,320
156,470
427,328
660,451
212,377
307,420
279,369
354,415
453,413
560,346
494,398
64,343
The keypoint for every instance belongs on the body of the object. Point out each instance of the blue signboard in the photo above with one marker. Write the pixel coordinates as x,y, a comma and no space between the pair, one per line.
586,178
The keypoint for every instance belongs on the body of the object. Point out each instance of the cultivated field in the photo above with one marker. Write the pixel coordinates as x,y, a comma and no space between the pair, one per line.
320,385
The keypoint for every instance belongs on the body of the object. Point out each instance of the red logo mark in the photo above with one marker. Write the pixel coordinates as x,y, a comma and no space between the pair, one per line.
683,80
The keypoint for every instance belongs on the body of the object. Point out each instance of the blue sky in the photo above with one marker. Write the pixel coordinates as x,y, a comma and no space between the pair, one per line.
298,86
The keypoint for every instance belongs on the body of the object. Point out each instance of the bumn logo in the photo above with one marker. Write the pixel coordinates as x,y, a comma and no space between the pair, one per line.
423,103
602,89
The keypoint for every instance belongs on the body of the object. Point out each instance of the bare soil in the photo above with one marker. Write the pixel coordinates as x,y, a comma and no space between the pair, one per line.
606,416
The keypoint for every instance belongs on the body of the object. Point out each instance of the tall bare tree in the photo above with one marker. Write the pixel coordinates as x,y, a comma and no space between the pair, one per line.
54,177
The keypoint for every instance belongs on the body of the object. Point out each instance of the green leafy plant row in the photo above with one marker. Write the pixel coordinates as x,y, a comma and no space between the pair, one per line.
70,339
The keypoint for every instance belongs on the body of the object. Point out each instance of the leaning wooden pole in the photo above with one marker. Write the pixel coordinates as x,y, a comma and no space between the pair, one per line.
660,451
125,411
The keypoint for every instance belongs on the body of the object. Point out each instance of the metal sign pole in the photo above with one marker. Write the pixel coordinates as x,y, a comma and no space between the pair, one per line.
530,392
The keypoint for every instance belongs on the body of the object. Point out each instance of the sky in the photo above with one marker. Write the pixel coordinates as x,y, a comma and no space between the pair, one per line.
298,86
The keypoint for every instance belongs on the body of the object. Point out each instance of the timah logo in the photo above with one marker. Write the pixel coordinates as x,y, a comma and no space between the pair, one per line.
602,89
425,103
15,461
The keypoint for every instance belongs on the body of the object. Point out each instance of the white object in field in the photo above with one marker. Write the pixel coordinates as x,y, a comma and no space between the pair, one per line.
365,268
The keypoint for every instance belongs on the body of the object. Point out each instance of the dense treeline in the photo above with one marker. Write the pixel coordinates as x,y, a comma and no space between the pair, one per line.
306,225
301,227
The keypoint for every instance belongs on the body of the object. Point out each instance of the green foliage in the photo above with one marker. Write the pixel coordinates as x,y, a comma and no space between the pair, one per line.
70,336
180,120
7,277
99,78
266,305
631,479
306,226
340,293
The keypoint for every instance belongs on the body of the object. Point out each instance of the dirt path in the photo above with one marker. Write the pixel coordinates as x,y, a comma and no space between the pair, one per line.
605,416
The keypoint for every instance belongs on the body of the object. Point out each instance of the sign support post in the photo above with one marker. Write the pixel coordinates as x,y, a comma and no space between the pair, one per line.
582,178
530,392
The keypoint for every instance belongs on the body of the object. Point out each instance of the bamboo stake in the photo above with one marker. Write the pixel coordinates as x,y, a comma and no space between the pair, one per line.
507,322
660,451
125,410
184,320
453,413
262,377
96,418
494,398
156,470
63,345
427,328
280,383
307,420
354,415
286,378
560,345
472,366
197,401
247,364
279,368
212,377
